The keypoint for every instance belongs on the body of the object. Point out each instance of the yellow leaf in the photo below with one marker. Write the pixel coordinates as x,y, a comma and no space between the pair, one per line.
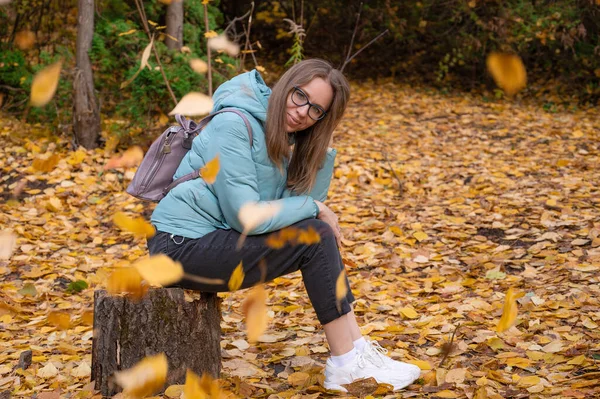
193,104
299,378
174,391
8,243
25,39
237,278
136,225
421,236
126,280
422,364
145,378
309,236
255,311
198,65
409,312
210,34
510,310
341,289
446,394
205,2
252,214
46,163
44,84
210,170
54,204
159,270
48,371
132,157
60,319
529,381
508,71
129,32
520,362
222,43
192,388
397,231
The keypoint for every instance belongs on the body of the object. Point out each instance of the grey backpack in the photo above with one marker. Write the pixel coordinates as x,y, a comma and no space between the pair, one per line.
154,177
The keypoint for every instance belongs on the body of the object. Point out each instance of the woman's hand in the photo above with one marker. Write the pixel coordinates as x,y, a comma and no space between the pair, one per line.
327,215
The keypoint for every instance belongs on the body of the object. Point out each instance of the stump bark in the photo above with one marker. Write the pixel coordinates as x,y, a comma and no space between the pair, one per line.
126,331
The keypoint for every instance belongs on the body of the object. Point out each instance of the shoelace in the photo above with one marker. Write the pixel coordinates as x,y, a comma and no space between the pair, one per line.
374,354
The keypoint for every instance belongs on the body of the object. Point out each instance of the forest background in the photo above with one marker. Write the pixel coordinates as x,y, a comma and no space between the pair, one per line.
440,43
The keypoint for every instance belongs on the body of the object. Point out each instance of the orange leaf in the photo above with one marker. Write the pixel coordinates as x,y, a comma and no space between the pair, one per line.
255,311
46,164
210,171
510,310
309,236
508,71
145,378
61,320
25,39
126,280
237,278
341,289
133,225
132,157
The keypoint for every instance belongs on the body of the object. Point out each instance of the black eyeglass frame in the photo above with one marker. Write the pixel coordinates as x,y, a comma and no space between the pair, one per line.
296,88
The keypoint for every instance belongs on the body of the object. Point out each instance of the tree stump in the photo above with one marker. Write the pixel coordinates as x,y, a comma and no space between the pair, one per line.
126,331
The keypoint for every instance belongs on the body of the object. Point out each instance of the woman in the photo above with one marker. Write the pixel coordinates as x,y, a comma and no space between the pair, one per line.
198,223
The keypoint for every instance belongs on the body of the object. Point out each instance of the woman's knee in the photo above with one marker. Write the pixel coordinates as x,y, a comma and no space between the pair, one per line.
325,231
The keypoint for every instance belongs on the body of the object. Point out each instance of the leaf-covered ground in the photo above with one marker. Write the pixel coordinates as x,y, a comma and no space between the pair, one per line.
445,201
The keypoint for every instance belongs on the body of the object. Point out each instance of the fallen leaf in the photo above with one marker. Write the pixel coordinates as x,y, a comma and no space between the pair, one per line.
48,371
8,243
61,320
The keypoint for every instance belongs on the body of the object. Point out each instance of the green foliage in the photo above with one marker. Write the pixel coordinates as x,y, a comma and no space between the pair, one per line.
76,286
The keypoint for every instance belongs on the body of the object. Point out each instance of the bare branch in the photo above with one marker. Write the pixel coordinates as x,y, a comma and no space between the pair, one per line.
362,48
209,74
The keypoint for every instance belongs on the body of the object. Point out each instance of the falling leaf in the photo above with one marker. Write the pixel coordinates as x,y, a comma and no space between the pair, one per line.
132,157
44,84
210,34
198,65
510,310
237,278
136,225
8,243
210,170
508,71
222,43
193,104
174,391
310,236
25,39
159,270
61,320
255,311
143,63
341,289
145,378
126,280
252,214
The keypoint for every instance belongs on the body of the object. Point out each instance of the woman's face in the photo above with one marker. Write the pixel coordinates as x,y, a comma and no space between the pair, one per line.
306,103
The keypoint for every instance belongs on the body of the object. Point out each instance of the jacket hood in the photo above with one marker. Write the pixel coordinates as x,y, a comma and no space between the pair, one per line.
247,91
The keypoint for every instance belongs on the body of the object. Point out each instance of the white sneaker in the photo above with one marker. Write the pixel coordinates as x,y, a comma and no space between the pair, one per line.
372,362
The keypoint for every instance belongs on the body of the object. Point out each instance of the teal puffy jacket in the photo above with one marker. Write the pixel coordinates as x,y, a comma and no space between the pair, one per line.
195,208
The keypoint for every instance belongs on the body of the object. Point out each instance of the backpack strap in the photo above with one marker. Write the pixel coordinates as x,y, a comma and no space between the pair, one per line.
188,125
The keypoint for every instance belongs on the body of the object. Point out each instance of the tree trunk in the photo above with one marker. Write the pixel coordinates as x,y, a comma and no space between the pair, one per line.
175,25
189,333
86,111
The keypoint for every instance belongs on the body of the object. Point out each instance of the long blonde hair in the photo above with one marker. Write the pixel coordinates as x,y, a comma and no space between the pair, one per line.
310,148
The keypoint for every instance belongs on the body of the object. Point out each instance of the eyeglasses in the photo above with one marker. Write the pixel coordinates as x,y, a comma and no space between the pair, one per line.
315,112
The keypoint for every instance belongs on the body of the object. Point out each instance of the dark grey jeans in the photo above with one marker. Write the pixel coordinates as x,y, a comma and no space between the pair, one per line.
215,256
